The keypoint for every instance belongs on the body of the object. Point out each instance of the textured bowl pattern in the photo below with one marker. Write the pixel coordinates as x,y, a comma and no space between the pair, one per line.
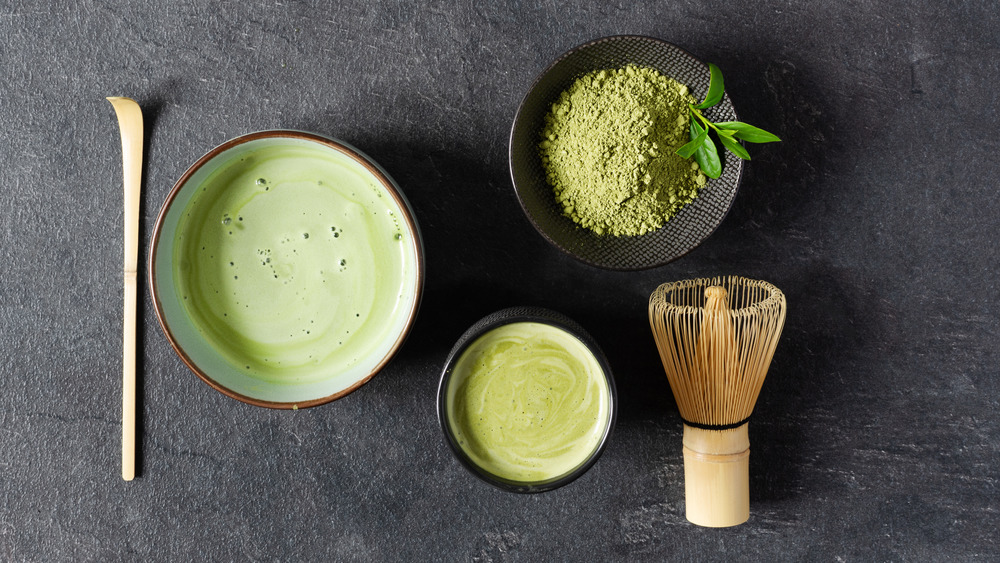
692,225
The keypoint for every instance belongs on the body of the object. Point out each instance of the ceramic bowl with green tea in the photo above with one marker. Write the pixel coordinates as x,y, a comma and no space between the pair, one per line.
286,268
554,217
527,400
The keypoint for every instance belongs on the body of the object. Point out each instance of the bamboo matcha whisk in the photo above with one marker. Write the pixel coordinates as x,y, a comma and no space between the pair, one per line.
716,338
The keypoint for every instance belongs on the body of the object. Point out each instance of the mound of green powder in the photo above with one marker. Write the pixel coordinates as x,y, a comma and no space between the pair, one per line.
608,146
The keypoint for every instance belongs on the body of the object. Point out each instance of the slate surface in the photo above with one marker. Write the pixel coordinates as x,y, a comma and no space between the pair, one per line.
876,434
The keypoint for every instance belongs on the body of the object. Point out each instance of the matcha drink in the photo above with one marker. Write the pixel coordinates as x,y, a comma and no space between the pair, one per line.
528,402
292,262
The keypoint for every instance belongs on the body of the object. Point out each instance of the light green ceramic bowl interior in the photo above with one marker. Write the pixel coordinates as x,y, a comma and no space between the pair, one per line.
242,360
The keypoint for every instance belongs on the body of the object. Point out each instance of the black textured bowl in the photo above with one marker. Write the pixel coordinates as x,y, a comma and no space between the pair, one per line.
517,315
692,225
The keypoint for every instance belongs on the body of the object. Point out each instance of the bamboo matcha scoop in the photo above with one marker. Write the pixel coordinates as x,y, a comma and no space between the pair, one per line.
716,338
130,123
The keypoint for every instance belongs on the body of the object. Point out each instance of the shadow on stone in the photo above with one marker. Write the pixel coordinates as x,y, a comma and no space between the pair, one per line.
809,376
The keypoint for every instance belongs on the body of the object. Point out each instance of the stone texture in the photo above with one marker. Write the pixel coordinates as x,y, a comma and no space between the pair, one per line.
875,437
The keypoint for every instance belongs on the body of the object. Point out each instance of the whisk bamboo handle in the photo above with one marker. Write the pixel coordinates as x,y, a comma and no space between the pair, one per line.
717,476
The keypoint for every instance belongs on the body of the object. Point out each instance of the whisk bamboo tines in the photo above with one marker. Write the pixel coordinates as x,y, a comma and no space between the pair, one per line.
716,338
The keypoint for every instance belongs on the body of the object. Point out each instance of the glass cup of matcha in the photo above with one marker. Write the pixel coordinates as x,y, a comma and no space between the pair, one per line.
527,400
286,268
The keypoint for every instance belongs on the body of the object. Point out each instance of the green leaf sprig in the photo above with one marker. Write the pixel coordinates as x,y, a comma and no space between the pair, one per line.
701,145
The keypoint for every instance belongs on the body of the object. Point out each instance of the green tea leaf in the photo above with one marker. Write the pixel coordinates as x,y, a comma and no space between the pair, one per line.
715,88
734,147
748,132
704,150
687,150
696,130
706,156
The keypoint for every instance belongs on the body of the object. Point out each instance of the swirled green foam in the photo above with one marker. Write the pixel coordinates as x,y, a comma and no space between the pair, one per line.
528,402
292,263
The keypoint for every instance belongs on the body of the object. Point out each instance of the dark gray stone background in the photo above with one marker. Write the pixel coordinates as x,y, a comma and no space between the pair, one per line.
875,437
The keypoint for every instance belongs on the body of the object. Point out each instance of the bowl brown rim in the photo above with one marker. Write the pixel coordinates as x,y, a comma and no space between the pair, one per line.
384,180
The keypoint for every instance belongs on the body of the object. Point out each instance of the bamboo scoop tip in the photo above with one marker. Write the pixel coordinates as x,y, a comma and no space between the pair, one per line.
128,112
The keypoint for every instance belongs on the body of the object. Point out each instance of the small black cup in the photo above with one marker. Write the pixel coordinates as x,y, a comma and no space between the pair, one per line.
494,321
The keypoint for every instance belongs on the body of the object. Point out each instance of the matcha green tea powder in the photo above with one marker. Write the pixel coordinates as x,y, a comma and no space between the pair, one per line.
608,149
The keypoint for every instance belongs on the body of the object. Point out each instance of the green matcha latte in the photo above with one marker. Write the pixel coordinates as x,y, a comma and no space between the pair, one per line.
528,402
295,269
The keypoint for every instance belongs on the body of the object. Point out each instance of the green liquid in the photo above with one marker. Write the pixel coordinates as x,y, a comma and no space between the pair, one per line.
528,402
292,263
